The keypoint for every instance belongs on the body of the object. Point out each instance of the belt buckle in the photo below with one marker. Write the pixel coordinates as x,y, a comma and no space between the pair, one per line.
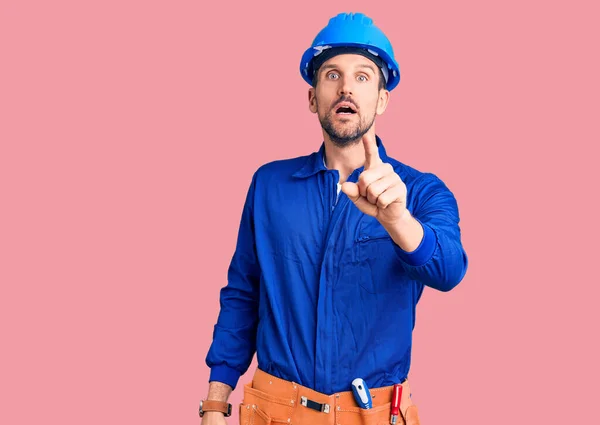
319,407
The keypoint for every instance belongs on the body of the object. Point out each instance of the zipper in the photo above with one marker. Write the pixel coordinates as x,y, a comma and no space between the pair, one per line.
334,196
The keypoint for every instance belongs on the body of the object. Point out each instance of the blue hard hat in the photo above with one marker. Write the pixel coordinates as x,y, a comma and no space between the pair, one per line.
352,30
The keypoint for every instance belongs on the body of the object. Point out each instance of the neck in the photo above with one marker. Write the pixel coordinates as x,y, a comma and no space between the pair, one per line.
345,159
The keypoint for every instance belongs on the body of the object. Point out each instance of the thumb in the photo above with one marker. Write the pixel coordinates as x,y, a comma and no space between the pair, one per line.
351,189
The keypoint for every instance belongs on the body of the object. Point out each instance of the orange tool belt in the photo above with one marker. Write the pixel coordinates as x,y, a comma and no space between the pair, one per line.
269,400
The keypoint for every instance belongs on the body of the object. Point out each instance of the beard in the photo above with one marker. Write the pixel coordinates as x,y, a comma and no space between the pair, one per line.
348,133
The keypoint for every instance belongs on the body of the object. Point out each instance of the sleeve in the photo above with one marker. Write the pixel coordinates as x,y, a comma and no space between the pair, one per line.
440,260
234,336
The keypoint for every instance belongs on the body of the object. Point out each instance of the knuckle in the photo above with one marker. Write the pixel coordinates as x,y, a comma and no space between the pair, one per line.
362,189
376,189
370,196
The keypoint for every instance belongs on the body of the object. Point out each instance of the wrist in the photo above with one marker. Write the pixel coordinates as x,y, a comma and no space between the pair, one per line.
406,232
214,406
218,391
400,225
213,413
405,219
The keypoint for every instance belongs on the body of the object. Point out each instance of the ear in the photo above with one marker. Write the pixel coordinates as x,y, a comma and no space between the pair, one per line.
312,100
382,101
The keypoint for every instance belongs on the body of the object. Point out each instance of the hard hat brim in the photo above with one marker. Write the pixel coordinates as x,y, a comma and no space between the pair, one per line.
310,53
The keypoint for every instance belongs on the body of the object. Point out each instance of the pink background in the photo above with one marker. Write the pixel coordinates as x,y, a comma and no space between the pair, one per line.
129,133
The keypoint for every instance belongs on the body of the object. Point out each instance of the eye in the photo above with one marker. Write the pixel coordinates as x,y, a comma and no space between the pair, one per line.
332,76
362,78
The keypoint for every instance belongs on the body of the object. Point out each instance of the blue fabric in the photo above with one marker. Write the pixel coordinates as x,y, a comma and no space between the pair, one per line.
319,290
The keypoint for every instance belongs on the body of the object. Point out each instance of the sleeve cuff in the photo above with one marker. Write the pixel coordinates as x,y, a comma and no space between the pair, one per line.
424,251
224,374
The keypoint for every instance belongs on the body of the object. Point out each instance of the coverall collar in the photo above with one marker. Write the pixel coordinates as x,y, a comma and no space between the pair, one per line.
315,161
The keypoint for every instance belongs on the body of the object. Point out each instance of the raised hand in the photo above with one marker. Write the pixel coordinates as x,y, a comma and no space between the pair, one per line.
379,191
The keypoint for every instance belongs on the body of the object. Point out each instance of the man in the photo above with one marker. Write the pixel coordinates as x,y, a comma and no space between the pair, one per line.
333,254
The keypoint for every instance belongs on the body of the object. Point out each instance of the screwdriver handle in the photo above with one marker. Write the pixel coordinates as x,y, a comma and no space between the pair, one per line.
361,393
396,397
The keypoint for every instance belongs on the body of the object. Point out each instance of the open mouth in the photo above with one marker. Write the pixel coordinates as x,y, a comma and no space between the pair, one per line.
345,109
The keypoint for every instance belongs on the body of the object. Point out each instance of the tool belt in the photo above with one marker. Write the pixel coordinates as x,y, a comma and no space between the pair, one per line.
269,400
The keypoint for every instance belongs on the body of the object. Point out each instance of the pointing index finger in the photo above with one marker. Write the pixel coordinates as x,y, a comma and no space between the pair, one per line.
371,151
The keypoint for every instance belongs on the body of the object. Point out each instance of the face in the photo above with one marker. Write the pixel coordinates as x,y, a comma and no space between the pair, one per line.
347,97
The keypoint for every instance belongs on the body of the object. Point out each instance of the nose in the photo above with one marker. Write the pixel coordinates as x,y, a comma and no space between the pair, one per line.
346,85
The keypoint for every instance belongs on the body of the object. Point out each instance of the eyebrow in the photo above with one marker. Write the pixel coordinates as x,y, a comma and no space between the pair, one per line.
362,65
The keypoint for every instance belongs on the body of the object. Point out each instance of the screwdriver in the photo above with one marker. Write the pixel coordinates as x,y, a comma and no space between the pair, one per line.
361,393
396,396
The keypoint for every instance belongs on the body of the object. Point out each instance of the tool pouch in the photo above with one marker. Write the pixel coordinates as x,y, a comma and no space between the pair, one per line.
409,411
253,415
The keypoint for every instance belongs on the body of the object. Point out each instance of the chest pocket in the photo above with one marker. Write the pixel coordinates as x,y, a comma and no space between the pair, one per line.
380,270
